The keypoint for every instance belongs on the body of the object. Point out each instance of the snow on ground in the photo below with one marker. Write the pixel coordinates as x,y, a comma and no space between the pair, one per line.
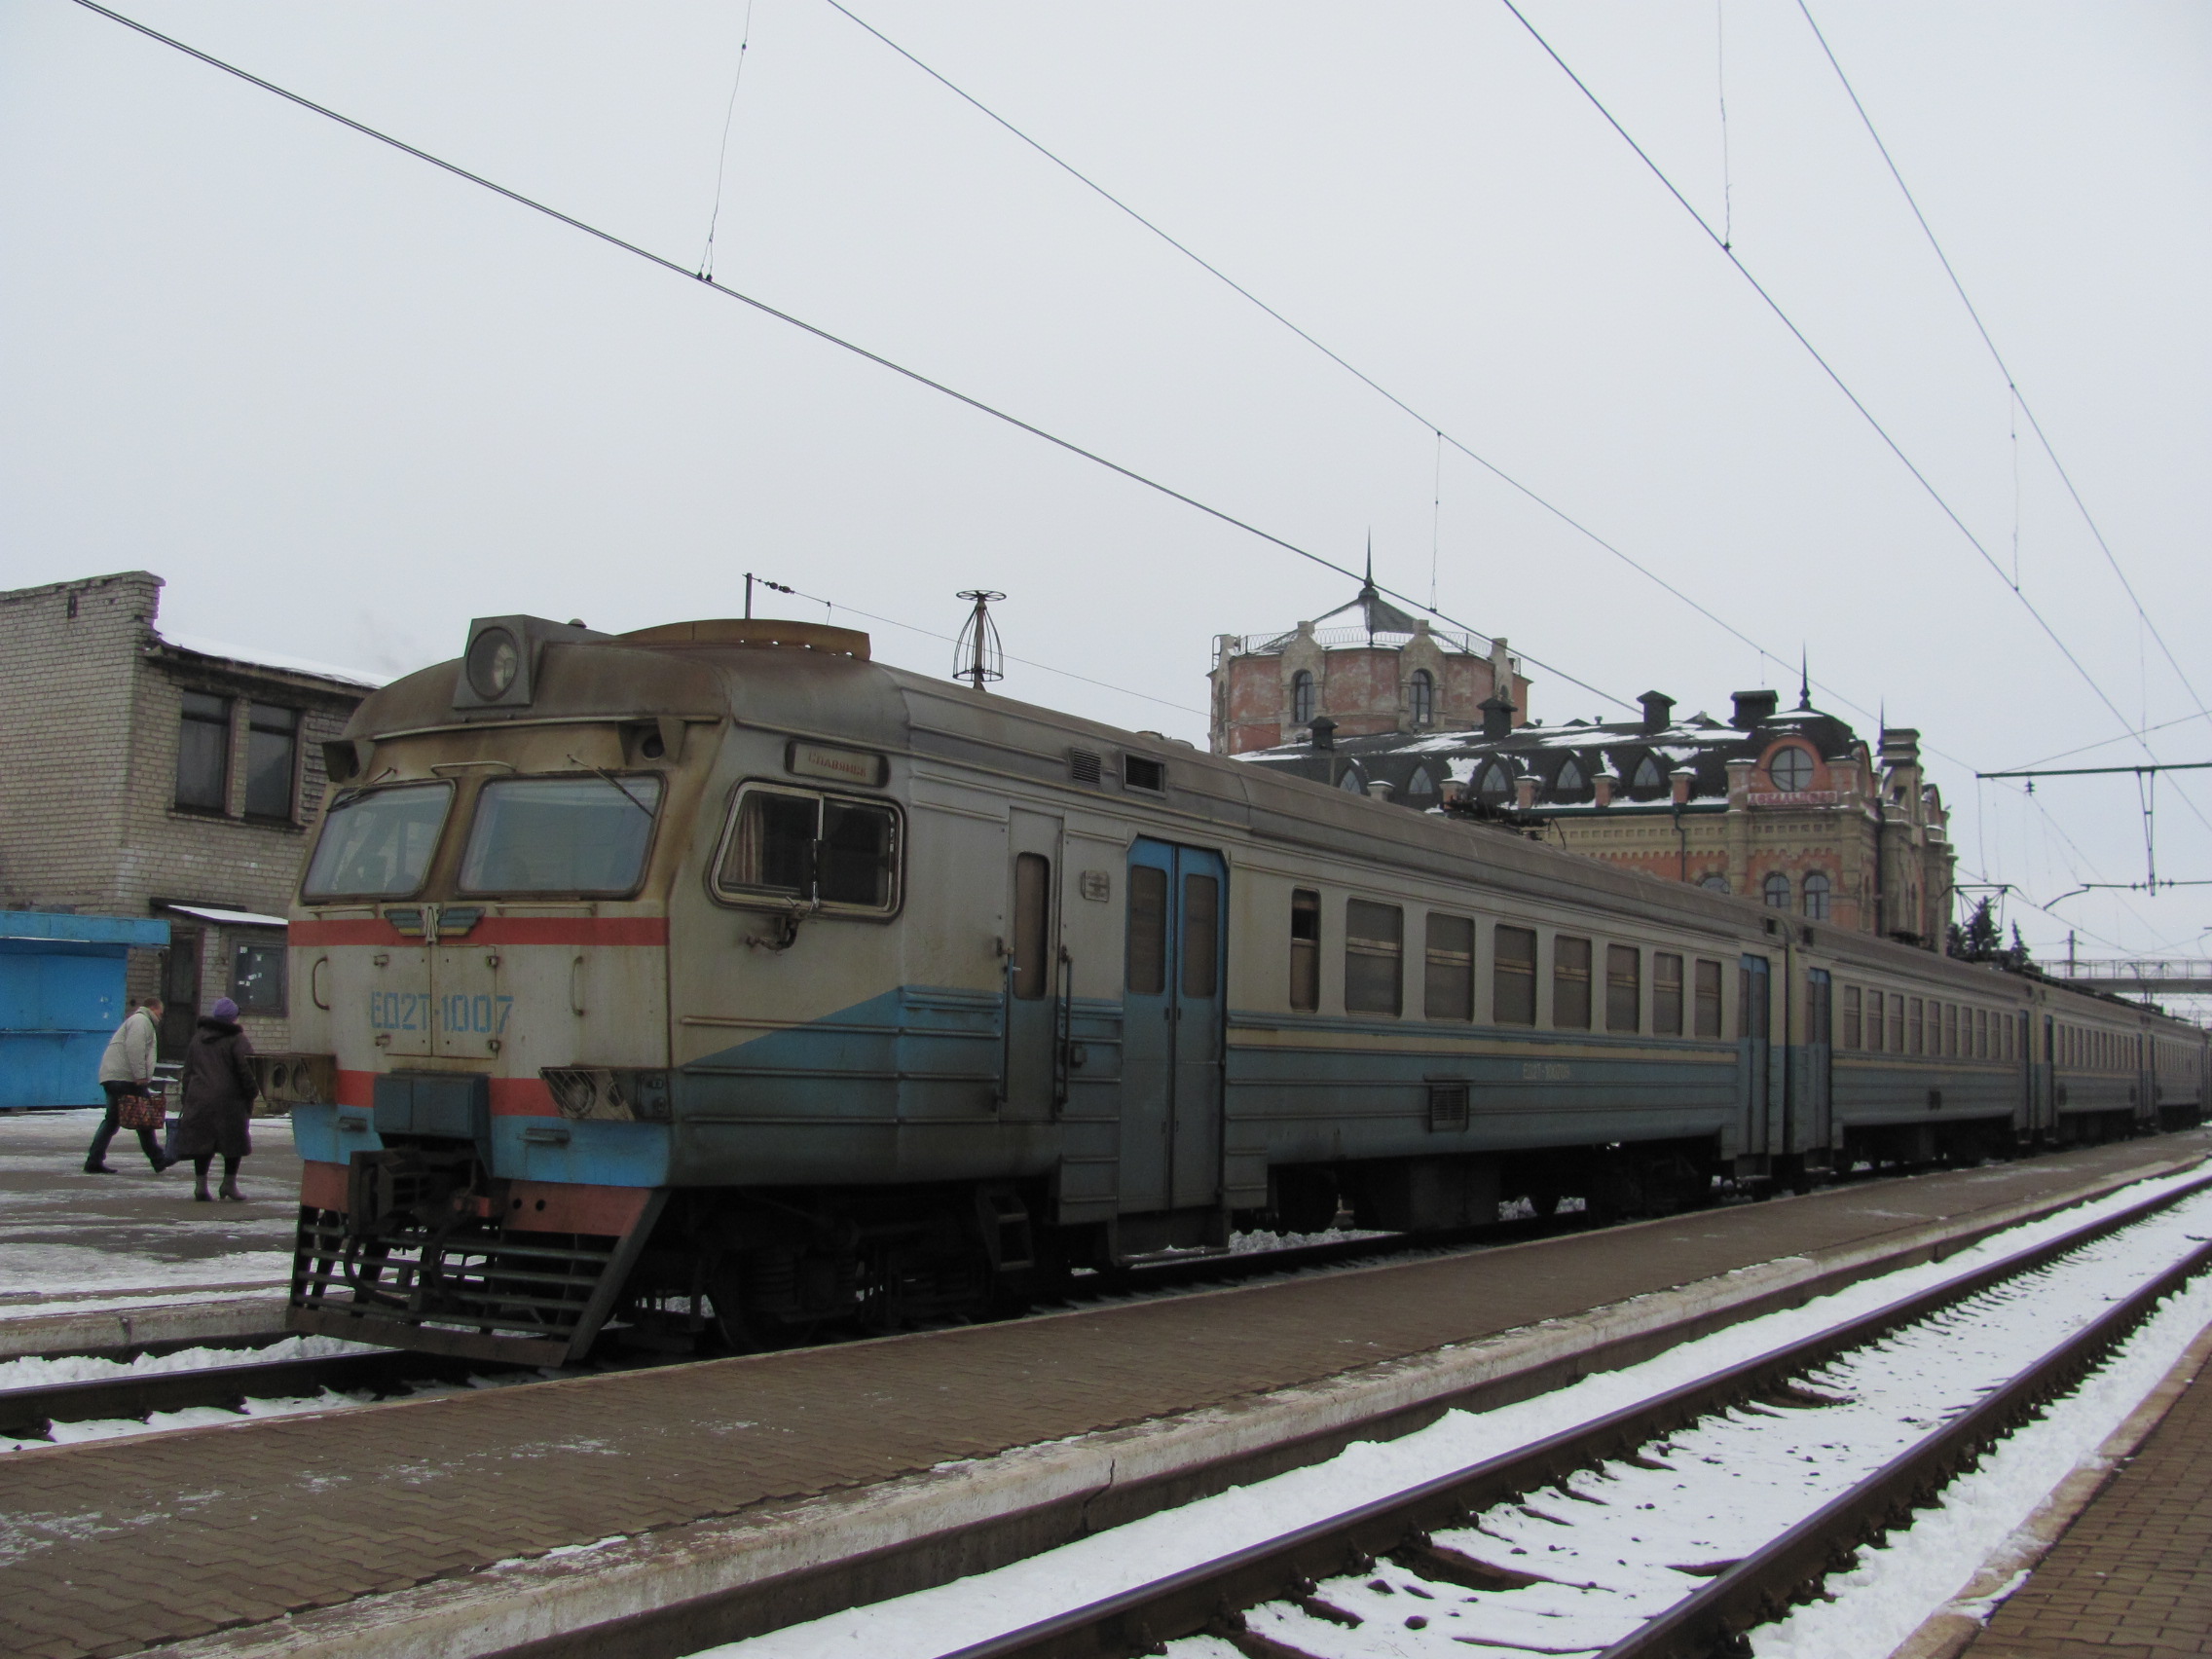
1754,1492
36,1372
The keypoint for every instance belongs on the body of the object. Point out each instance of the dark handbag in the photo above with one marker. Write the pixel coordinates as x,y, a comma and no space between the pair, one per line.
139,1112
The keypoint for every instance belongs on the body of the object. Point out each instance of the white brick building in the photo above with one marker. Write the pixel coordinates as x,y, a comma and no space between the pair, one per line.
149,776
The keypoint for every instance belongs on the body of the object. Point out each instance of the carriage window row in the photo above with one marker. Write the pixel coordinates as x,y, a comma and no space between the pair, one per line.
2084,1047
1892,1022
1376,947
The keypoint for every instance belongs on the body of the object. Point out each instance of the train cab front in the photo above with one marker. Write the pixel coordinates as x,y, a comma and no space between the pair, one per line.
482,1117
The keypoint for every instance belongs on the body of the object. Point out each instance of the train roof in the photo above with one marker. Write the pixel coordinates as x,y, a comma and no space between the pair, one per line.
806,680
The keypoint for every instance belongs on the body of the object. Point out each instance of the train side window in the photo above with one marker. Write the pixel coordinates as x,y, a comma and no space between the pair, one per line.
1513,977
1707,998
1915,1027
1201,936
1896,1023
1305,950
1666,993
1032,925
796,844
1449,992
1981,1034
855,864
1374,949
1570,983
1850,1039
1148,930
1624,988
1951,1030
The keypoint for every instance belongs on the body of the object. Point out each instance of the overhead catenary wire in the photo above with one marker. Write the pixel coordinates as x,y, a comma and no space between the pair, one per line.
722,154
1834,376
822,333
1443,436
2012,385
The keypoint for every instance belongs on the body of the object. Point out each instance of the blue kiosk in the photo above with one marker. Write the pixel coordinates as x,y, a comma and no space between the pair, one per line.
61,998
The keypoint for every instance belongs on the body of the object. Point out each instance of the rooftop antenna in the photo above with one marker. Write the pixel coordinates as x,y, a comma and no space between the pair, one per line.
1367,593
977,656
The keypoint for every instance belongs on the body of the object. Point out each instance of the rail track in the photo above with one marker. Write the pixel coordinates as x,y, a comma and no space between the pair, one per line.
1257,1599
30,1413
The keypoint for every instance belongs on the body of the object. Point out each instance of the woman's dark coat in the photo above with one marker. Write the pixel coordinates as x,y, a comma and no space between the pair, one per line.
219,1087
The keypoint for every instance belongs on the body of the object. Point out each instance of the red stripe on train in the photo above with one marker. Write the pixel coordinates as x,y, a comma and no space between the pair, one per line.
511,1096
492,930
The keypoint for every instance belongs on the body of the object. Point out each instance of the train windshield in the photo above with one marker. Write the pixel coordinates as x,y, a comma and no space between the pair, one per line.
376,844
560,834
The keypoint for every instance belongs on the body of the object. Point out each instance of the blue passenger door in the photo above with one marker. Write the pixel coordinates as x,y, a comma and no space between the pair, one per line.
1820,1047
1755,1047
1172,1027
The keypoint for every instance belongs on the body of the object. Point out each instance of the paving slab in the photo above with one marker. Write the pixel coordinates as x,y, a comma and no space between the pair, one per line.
424,1491
2131,1578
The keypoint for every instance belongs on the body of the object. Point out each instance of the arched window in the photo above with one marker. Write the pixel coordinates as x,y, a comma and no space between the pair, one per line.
1571,778
1649,779
1817,896
1496,786
1352,781
1302,698
1775,891
1420,787
1714,883
1421,698
1792,770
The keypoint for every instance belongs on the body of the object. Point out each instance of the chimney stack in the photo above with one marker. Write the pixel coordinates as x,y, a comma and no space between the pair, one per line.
1658,711
1497,714
1324,730
1755,707
1683,781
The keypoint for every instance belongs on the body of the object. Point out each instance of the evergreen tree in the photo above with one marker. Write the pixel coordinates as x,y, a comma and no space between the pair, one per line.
1980,939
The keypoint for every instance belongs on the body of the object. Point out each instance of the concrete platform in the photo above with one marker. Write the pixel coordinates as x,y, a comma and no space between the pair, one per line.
726,1490
90,1261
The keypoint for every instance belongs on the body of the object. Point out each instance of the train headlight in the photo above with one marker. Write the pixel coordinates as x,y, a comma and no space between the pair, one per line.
495,658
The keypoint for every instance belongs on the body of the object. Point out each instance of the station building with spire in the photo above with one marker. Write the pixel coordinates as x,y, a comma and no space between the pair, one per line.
1789,808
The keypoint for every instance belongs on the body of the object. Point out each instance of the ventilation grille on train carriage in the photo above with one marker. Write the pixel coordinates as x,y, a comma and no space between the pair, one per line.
1085,767
1448,1105
1139,773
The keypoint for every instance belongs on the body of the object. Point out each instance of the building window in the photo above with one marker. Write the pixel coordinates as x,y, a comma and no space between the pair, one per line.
1421,698
1374,944
1792,770
1513,977
1351,781
1496,786
1450,993
1623,989
1305,950
1714,882
1569,779
1666,993
272,746
1302,698
257,978
1775,891
1817,896
1420,787
203,754
1648,781
1570,983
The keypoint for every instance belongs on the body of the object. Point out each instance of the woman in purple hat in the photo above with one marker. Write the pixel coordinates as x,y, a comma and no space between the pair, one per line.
219,1087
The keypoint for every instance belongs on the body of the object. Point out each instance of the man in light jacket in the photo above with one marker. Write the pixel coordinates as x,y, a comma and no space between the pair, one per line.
127,1070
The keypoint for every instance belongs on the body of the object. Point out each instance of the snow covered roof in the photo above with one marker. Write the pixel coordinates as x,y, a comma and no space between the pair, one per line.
200,645
225,917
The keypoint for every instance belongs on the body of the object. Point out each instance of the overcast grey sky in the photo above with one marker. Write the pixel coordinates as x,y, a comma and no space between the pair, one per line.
345,402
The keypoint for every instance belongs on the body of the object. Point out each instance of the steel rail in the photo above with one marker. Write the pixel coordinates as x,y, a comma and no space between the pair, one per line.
1210,1597
26,1413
